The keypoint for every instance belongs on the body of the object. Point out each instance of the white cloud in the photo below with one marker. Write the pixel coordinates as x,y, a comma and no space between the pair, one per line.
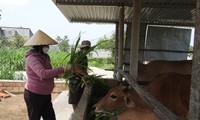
13,2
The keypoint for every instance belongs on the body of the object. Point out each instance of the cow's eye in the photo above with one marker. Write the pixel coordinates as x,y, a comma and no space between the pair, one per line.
113,96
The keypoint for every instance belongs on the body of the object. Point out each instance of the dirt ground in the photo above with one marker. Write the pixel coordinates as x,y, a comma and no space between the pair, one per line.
14,108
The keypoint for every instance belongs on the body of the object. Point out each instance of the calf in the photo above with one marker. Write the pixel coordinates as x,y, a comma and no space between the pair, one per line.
171,89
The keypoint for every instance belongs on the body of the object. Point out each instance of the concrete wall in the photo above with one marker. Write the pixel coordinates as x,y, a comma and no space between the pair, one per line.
17,86
10,31
100,53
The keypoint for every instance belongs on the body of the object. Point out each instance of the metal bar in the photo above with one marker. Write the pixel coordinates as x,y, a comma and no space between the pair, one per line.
116,49
119,3
121,41
161,50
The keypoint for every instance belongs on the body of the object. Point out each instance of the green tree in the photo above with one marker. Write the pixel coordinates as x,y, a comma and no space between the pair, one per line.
17,41
106,43
63,43
3,41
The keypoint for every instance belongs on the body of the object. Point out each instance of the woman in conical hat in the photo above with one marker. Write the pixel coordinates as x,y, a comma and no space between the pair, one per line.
40,77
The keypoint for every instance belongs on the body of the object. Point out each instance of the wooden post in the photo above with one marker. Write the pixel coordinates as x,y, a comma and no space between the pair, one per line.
116,50
194,109
135,36
121,42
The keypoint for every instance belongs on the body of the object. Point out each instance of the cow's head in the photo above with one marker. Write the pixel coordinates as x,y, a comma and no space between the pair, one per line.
117,99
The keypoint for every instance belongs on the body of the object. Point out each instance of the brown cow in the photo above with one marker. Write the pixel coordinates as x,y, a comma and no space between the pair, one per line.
171,89
146,72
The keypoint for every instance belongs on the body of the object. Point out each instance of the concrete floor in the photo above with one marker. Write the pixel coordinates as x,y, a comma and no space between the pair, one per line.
63,110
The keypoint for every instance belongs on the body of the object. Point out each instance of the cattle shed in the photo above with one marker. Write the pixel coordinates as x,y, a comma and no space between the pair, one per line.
136,16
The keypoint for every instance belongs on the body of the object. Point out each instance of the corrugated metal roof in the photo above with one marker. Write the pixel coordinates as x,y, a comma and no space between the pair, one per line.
170,12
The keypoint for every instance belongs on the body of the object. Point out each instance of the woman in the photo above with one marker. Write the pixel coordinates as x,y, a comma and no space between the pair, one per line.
40,82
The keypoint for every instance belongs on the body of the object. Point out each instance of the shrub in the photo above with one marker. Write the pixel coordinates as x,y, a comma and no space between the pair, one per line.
11,60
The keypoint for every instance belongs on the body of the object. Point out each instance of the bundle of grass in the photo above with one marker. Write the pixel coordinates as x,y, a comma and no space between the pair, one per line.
75,57
106,116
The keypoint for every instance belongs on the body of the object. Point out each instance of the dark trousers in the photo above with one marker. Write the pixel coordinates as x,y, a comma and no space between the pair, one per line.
75,89
39,106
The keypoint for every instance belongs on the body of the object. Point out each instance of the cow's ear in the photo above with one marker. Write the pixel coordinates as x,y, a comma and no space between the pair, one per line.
125,89
128,101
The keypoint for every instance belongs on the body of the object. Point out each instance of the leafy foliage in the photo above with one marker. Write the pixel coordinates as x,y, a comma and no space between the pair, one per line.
13,56
58,58
105,115
11,60
104,63
15,41
63,43
106,43
75,57
3,42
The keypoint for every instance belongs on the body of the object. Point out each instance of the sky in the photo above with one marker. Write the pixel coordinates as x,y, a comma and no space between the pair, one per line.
44,15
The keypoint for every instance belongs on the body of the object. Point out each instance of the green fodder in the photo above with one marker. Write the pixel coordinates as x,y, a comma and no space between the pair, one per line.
11,60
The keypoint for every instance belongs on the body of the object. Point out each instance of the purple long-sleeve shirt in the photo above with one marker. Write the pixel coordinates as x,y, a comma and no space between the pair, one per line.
40,73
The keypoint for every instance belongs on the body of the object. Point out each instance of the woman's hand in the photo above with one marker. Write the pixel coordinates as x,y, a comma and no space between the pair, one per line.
61,75
67,68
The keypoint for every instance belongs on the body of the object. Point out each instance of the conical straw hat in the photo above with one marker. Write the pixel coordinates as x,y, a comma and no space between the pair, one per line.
40,38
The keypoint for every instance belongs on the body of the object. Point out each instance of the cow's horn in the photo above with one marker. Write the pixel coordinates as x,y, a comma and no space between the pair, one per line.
125,88
129,87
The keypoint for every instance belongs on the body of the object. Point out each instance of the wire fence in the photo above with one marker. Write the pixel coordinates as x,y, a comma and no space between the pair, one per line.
12,56
12,60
